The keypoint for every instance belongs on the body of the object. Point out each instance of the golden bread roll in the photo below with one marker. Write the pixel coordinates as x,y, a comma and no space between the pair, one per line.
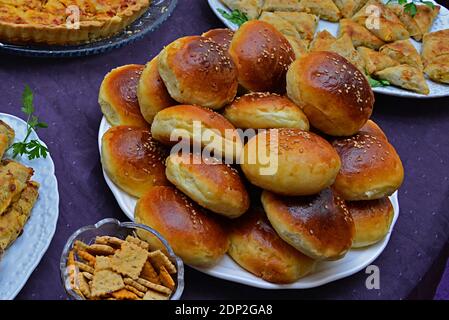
151,92
335,96
221,36
290,162
372,220
320,226
263,110
118,96
209,182
373,129
197,70
256,247
214,131
262,55
133,160
194,234
370,167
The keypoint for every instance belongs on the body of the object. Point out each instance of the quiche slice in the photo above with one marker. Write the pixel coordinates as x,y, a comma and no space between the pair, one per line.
405,76
55,22
404,52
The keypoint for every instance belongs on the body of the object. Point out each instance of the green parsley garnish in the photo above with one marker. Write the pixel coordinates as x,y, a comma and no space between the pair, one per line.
378,83
34,149
410,7
236,16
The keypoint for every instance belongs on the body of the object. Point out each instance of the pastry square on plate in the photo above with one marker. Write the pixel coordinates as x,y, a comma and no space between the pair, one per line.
359,35
349,7
404,52
405,76
325,9
282,25
281,5
304,23
375,61
252,8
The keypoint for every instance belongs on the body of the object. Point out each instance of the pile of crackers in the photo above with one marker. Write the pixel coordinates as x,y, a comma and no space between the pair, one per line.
116,269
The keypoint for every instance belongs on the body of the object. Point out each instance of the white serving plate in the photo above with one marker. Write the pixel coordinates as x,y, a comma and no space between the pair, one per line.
353,262
20,260
436,89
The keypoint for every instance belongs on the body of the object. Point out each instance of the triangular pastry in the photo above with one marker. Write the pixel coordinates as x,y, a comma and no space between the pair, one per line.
404,52
405,76
375,61
299,46
281,5
425,16
359,35
304,23
438,69
349,7
435,44
252,8
282,25
325,9
408,21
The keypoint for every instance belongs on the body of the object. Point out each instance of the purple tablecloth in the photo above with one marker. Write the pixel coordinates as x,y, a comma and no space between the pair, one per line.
66,97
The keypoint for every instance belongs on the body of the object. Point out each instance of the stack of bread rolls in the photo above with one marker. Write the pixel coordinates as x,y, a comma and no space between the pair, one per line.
333,168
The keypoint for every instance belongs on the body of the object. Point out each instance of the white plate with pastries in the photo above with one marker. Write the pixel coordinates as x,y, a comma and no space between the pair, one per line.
325,272
436,89
24,254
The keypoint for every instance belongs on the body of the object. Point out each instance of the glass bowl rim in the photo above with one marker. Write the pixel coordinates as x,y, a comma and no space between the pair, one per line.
128,225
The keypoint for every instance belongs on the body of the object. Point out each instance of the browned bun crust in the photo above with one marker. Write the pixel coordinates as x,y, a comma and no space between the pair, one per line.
152,93
118,96
335,96
370,168
194,234
319,226
256,247
196,70
373,129
209,182
303,163
221,36
181,118
262,55
263,110
133,160
372,220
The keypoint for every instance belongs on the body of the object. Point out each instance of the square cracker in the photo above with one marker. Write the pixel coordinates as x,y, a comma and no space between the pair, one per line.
102,263
153,295
144,245
105,282
129,260
158,259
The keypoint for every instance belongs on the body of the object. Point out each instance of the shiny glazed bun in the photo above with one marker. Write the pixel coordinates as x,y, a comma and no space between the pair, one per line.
256,247
262,55
335,96
196,70
194,234
263,110
370,168
208,182
373,129
319,226
221,36
180,122
297,163
118,96
152,93
133,160
372,220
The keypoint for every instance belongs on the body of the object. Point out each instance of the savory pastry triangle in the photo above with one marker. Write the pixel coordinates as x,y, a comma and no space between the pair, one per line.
349,7
344,47
375,61
322,41
281,5
384,23
425,16
438,69
405,76
325,9
252,8
13,179
434,45
359,35
6,137
304,23
299,46
408,21
282,25
404,52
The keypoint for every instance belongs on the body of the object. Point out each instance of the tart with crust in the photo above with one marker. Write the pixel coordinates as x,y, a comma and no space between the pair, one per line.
45,21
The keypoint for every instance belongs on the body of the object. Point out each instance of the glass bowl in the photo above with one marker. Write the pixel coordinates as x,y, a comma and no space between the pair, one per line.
115,228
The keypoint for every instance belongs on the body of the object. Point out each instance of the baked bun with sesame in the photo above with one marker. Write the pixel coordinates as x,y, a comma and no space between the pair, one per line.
373,129
180,123
209,182
152,93
262,55
194,234
256,247
133,160
290,162
335,96
319,226
197,70
372,220
221,36
118,96
370,168
262,110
